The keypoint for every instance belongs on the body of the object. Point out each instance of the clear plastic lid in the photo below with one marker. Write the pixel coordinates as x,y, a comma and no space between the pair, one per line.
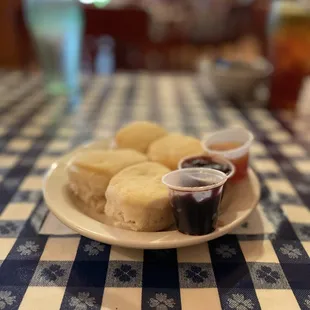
194,179
236,134
215,158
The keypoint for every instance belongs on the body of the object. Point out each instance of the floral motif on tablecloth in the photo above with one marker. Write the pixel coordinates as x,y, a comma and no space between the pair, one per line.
82,302
52,273
225,251
267,274
245,225
196,274
303,187
27,196
26,162
162,302
286,166
6,299
11,183
238,302
125,273
28,248
307,302
290,251
305,230
93,248
8,228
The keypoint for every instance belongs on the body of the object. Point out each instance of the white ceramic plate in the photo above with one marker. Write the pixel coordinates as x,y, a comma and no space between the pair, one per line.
238,203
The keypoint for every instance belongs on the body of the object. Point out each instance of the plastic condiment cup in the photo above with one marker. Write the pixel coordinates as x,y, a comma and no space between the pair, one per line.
195,195
214,158
239,156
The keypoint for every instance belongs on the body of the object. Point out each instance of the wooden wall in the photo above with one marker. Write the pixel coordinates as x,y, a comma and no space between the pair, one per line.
16,48
10,54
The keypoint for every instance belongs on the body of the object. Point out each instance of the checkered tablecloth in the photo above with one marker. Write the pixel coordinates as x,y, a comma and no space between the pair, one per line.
264,264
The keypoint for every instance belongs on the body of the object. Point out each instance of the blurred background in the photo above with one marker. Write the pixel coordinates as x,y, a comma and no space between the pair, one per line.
249,49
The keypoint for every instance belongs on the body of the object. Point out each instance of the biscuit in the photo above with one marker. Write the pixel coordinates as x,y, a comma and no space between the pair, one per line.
139,135
90,172
137,199
170,149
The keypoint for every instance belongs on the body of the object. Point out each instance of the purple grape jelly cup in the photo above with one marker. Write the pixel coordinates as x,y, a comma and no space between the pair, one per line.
195,196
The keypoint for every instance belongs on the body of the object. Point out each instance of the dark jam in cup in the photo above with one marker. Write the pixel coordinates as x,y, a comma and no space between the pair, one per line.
196,212
205,162
195,195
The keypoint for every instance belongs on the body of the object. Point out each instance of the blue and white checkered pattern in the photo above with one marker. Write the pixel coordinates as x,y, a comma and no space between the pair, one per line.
263,265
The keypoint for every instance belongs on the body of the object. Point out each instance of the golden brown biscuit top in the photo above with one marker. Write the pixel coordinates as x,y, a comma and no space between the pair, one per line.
140,184
139,135
143,170
108,162
172,148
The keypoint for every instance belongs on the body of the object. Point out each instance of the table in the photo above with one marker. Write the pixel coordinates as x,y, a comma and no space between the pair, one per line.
264,264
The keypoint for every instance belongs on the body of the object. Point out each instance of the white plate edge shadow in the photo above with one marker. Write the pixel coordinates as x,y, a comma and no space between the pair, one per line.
90,228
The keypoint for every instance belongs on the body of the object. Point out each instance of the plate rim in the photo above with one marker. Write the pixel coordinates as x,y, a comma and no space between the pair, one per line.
163,244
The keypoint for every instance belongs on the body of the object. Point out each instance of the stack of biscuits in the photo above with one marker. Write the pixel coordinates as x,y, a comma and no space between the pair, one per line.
125,182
